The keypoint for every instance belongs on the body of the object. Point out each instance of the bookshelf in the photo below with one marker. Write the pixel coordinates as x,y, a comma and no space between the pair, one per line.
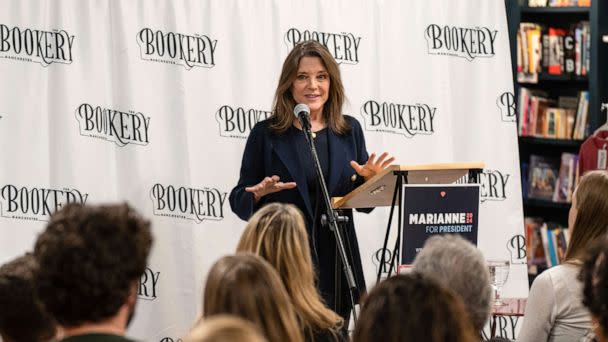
595,82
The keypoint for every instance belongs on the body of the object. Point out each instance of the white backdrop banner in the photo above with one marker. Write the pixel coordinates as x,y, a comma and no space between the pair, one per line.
151,102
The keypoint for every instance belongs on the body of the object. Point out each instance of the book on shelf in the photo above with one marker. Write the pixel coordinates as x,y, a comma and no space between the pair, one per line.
566,179
534,245
546,243
582,113
543,117
559,51
550,179
542,178
559,3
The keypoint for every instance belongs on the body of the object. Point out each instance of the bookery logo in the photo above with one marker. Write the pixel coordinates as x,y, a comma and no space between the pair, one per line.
36,204
37,46
169,339
383,265
493,185
237,122
517,248
196,50
113,125
148,284
405,119
464,42
505,327
188,203
343,46
506,104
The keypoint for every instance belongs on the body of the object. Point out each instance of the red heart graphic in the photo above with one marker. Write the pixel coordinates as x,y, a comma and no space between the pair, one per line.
442,194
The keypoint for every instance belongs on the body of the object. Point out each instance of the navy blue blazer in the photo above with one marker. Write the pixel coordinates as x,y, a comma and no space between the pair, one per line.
268,154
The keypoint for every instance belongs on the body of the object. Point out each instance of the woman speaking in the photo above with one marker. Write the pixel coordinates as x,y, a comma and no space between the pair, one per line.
277,163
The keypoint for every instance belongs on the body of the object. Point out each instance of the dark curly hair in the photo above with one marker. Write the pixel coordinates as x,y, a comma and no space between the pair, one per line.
413,308
22,316
594,275
90,257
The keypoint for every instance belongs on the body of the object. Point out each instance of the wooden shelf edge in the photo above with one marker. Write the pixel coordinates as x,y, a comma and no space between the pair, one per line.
554,10
549,141
533,202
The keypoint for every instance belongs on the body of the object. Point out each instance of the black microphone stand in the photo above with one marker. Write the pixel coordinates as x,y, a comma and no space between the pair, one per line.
331,216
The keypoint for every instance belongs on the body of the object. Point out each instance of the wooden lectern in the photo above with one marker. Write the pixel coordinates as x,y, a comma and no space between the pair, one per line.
384,189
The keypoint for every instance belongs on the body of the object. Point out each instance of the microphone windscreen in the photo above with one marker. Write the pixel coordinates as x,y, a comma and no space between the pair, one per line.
299,108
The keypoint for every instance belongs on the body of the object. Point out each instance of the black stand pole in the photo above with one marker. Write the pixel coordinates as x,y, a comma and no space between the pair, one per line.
332,218
401,178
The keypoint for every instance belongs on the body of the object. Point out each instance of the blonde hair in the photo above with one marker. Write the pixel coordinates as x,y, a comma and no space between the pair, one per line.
224,328
284,102
247,286
592,217
277,233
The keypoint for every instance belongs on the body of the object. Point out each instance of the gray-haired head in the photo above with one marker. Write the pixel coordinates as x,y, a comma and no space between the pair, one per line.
458,265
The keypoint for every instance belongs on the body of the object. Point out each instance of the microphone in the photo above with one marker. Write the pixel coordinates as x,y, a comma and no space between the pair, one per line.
302,112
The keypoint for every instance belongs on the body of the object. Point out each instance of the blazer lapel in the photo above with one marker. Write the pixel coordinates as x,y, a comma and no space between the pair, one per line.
337,159
287,150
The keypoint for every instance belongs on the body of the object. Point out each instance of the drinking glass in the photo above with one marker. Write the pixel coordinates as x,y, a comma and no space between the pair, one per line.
499,272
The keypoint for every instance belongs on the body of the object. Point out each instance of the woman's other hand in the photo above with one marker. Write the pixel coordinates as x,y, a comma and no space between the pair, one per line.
372,166
267,186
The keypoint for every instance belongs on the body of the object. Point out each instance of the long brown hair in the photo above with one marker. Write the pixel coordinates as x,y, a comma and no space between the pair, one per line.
413,308
277,233
247,286
592,217
284,102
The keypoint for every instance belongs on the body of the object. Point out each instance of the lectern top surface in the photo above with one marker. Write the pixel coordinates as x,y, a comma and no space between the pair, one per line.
378,191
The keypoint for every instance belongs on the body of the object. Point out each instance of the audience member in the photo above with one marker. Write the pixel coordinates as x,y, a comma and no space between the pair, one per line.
413,308
22,316
246,286
278,234
458,265
594,275
554,311
91,259
224,328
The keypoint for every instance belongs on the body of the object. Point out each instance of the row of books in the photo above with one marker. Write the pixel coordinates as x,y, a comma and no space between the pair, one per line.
543,117
552,50
559,3
546,243
550,179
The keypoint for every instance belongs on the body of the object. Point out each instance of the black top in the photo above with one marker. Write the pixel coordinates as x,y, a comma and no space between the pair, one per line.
307,163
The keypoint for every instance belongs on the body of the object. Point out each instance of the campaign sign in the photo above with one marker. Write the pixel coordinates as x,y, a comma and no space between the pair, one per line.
437,209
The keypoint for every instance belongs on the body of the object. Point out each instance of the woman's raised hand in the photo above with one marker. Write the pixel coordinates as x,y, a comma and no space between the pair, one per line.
372,166
267,186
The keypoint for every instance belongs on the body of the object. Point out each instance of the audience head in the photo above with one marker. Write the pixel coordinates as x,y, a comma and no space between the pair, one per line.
278,234
412,308
588,219
91,259
22,316
224,328
246,286
457,264
594,275
284,101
